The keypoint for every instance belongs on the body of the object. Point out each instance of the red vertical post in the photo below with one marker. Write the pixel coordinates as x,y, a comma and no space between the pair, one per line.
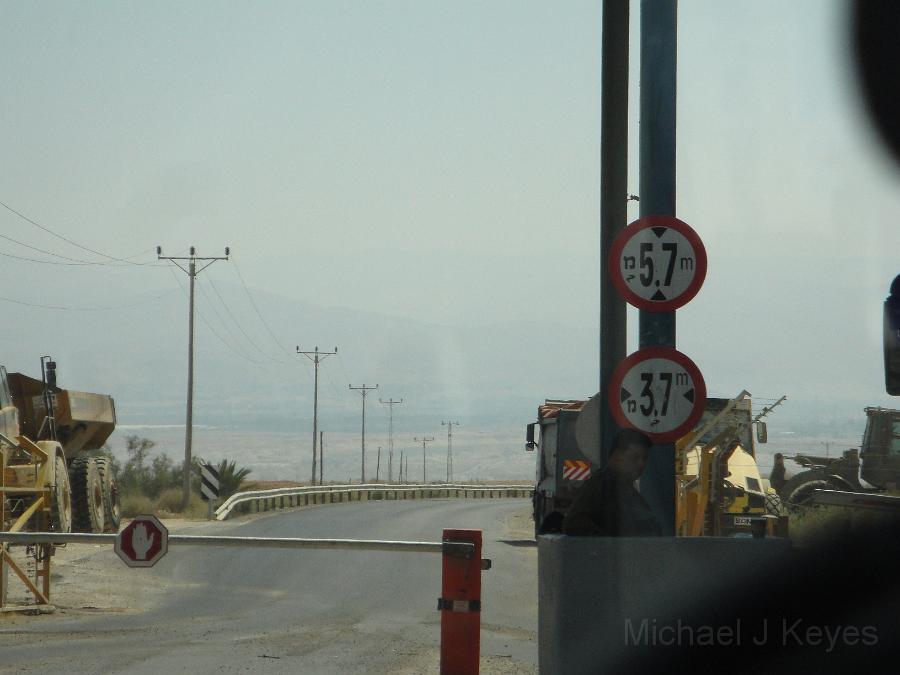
460,605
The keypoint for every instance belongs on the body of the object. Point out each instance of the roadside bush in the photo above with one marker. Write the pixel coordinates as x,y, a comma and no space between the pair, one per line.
135,504
169,500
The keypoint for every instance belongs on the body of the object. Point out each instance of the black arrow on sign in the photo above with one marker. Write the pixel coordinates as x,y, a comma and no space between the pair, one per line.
624,395
689,395
658,296
659,231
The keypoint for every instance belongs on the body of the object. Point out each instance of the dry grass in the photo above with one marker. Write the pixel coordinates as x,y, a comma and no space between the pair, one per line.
135,505
167,505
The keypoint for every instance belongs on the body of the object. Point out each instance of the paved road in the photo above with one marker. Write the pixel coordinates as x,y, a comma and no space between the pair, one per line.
280,611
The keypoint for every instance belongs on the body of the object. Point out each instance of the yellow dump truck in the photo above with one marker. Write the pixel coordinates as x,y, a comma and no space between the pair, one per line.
49,479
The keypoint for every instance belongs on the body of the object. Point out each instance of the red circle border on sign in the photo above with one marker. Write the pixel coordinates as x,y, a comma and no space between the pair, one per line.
615,253
618,376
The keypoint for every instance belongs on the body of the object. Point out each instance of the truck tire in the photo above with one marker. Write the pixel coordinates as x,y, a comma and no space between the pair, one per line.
774,506
61,495
110,494
797,491
87,495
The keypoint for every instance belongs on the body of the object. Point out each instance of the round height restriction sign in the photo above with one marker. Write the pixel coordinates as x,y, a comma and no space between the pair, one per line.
657,390
658,263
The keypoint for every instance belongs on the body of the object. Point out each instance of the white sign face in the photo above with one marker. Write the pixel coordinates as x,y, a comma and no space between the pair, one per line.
658,391
658,263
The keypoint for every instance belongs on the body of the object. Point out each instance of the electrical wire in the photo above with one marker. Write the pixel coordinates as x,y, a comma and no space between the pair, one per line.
240,326
69,241
208,325
222,321
255,308
87,309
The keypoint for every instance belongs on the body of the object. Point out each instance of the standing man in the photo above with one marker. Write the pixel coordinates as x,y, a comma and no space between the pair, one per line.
608,505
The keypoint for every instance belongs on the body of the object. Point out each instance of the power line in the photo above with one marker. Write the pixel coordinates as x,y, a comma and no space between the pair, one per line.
239,325
255,308
69,241
225,325
87,309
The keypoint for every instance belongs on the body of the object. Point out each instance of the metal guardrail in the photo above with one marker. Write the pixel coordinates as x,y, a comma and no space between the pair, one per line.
266,500
462,549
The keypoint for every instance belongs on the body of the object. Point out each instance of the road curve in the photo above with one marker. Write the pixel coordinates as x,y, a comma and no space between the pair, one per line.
316,611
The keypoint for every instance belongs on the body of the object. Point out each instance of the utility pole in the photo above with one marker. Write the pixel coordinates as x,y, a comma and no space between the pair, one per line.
424,440
400,472
659,49
378,464
406,470
192,272
364,390
449,426
391,402
316,356
321,458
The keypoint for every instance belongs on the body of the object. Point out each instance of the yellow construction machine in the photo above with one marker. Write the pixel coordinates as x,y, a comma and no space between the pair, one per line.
46,434
719,489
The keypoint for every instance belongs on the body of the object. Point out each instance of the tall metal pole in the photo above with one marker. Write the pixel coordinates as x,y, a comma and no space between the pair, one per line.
321,458
364,390
613,197
400,476
316,356
657,192
189,417
378,464
424,439
391,403
192,273
449,426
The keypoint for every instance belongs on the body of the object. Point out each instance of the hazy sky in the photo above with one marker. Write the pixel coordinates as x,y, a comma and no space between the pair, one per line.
440,161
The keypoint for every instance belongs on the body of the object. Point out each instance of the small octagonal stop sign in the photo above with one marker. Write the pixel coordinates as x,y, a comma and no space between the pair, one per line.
142,542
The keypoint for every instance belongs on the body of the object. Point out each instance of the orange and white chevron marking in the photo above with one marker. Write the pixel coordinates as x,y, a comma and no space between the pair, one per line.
576,469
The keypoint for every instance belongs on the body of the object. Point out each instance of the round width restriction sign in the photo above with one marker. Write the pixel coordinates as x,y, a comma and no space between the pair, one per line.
657,390
658,263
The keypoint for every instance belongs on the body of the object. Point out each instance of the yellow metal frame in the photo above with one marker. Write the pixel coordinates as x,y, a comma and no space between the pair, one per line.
26,471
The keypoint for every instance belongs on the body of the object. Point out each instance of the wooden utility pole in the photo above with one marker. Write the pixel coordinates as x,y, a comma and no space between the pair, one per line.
378,464
316,356
192,273
424,440
391,402
364,390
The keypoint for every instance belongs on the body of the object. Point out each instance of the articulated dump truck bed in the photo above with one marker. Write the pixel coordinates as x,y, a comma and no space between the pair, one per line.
83,421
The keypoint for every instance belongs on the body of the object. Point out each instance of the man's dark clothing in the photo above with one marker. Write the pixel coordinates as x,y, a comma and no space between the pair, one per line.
605,506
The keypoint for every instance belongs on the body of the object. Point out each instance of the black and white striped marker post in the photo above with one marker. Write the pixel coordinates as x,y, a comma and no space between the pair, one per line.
209,485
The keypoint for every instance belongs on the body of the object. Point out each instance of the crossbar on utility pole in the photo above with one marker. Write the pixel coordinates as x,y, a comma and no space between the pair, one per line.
423,441
391,403
192,273
316,357
449,426
364,390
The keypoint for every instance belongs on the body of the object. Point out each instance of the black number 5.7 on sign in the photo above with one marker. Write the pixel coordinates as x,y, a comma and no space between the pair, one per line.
659,391
658,263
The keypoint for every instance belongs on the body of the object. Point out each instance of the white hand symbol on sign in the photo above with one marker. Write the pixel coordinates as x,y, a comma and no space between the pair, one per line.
140,542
